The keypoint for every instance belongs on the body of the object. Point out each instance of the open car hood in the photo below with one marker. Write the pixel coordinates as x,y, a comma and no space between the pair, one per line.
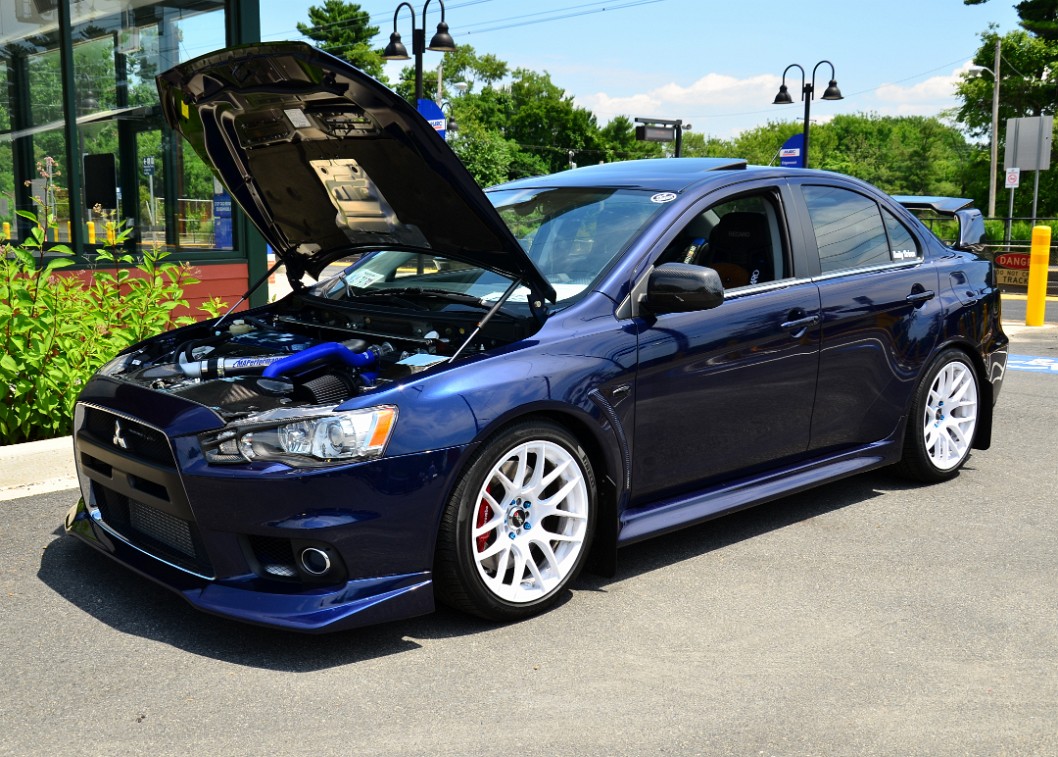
325,160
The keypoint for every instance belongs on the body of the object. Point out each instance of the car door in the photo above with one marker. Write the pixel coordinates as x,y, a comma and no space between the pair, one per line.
880,313
723,392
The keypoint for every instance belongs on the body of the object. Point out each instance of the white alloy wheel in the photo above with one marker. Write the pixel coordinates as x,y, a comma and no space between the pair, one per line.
531,521
950,415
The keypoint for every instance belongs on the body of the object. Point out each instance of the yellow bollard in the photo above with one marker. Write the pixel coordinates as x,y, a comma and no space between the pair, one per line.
91,232
7,230
111,235
69,235
1038,261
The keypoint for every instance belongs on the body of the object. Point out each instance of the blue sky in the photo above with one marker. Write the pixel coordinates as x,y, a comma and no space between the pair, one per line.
716,64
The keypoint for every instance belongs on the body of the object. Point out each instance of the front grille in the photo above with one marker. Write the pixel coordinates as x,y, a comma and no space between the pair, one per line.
162,527
139,440
154,531
137,488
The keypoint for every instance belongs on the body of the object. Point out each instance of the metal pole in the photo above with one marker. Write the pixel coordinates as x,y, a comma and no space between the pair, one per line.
995,136
679,137
806,94
1010,214
418,46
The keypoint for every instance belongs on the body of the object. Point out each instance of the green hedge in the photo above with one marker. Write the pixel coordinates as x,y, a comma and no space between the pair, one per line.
57,330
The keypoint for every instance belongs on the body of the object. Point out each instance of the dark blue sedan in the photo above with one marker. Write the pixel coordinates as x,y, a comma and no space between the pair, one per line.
486,391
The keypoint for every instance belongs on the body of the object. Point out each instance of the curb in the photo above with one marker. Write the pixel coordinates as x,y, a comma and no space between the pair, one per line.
35,468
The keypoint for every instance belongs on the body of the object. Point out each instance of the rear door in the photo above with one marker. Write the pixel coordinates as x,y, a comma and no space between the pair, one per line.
879,307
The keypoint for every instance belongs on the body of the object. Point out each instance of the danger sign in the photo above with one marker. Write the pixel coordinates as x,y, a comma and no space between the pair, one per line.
1019,260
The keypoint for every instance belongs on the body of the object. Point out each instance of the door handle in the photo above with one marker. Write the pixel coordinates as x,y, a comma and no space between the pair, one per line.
799,323
916,298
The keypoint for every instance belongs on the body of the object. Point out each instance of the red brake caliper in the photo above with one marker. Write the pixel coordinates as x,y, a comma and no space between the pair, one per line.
484,515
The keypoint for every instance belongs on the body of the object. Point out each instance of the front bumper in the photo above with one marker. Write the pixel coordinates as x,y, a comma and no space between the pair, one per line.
231,539
357,602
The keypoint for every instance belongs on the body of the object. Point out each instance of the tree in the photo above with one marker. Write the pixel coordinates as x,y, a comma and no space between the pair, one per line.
343,29
544,120
619,141
486,154
1040,17
912,155
466,66
1028,85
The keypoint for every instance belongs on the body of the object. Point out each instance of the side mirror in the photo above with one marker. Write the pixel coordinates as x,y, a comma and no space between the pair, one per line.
971,230
682,288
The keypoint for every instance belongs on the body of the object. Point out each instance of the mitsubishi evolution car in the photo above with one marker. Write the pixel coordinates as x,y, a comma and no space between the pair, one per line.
481,392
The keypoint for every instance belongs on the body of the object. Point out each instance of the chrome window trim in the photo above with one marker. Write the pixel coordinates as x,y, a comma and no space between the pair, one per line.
764,286
895,265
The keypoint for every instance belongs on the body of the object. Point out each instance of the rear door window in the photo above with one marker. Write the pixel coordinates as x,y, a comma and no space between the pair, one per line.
848,228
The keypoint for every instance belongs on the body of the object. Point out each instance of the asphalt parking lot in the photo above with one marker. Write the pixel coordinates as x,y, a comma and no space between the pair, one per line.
867,617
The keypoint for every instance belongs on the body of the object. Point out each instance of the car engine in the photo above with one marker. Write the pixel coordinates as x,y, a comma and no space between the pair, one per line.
303,352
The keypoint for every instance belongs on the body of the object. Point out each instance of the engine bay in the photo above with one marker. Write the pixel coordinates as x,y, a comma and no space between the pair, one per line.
308,351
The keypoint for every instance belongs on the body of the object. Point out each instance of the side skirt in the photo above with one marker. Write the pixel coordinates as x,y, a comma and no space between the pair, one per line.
670,515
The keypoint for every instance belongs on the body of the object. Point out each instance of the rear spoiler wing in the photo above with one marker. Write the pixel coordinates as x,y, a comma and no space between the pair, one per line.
971,221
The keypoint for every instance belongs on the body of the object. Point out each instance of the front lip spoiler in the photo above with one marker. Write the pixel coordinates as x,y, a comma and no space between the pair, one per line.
355,603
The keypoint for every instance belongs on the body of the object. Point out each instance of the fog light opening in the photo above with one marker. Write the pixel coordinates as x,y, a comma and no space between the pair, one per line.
314,561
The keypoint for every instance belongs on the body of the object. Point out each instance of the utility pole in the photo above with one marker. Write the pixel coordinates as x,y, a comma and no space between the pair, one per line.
995,136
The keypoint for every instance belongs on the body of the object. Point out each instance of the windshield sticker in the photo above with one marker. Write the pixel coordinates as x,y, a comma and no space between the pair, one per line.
521,294
364,279
903,254
662,197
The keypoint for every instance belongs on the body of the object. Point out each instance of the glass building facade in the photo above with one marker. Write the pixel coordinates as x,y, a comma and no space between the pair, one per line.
81,131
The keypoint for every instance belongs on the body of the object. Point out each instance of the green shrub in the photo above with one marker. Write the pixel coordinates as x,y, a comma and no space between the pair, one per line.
57,330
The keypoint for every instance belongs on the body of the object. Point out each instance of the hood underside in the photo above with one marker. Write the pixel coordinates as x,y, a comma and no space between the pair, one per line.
325,160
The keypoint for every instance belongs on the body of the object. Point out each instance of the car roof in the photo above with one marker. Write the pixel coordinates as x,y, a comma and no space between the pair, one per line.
654,173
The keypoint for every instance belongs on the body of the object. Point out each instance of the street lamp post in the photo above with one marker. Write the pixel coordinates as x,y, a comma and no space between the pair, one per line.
807,94
440,42
994,152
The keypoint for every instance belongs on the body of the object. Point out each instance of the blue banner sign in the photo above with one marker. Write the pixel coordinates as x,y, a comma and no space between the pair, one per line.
432,112
791,154
222,238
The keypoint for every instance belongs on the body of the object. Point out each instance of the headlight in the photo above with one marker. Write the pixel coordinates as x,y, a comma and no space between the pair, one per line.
304,437
119,364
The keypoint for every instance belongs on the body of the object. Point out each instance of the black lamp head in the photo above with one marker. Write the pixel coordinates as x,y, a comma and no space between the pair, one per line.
395,50
783,97
832,92
442,41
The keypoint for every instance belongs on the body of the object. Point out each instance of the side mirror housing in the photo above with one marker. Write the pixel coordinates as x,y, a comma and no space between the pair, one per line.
971,230
682,288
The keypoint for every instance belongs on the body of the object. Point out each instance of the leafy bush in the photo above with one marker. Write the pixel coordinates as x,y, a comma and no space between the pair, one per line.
57,330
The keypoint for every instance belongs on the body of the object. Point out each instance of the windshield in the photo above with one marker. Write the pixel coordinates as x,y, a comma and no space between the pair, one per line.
399,273
573,236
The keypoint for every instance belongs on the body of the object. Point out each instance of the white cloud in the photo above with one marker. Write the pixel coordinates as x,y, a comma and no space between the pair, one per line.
925,98
710,96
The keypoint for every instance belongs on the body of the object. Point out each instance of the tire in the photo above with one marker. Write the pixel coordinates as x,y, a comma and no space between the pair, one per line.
518,526
943,419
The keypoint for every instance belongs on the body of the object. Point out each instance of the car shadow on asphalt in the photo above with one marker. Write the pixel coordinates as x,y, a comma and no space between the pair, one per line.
133,605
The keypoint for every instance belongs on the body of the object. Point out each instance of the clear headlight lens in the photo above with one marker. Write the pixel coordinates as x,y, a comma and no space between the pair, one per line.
118,365
304,436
